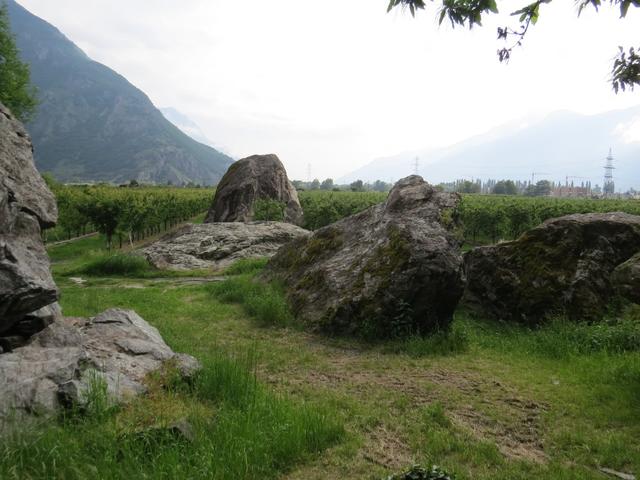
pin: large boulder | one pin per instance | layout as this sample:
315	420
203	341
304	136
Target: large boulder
626	278
394	269
259	177
26	206
562	267
217	245
66	362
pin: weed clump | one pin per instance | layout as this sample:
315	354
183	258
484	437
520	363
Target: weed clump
265	302
246	265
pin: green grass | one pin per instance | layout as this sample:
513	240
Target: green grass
486	400
242	429
263	302
246	265
242	432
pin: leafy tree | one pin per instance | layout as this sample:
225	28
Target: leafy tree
103	211
16	91
468	187
380	186
543	188
327	184
357	186
505	187
315	185
625	73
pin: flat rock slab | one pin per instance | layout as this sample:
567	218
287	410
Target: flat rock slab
217	245
62	363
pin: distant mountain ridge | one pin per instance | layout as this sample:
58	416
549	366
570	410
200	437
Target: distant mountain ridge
93	125
556	146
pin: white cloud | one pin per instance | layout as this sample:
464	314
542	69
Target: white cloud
629	132
336	84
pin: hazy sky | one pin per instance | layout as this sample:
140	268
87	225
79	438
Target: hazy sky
337	83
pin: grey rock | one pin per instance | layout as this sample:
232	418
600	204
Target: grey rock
562	267
65	361
626	278
248	180
218	245
394	269
35	321
26	206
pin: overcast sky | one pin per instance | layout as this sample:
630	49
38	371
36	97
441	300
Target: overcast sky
337	83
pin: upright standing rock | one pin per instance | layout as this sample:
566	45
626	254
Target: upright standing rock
26	206
394	269
259	177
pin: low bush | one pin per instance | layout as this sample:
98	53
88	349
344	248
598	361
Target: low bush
269	209
118	264
246	265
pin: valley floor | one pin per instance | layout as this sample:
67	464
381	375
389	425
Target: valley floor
488	402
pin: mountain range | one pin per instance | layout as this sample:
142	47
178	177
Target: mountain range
560	145
93	125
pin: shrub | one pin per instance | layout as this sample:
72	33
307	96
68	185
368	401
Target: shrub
269	209
118	264
246	265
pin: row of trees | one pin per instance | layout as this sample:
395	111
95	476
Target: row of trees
490	218
329	185
126	213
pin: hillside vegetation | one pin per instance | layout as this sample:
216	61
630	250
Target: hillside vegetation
91	124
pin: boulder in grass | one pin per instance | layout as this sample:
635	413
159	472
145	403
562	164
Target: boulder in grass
26	207
65	362
249	181
626	278
394	269
562	267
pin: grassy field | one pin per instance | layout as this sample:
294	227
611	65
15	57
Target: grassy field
487	401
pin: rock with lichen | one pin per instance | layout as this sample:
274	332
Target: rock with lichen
394	269
258	178
626	278
26	207
563	267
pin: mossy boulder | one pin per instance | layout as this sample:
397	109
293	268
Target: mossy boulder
391	270
254	181
626	278
563	267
